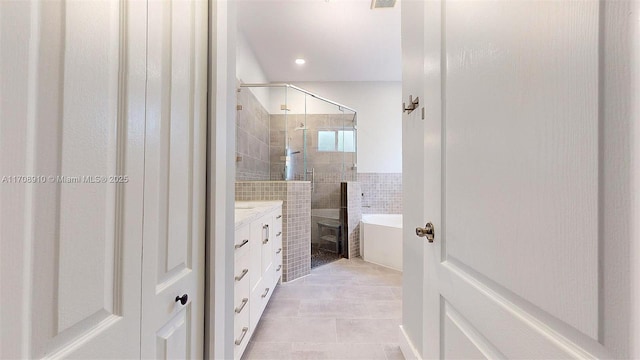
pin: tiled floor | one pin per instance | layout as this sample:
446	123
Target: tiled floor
348	309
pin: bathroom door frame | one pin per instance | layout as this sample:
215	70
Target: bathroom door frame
220	171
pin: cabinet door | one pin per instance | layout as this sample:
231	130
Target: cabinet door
71	109
173	253
267	245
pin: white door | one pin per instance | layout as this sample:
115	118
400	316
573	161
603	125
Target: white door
72	104
174	189
527	181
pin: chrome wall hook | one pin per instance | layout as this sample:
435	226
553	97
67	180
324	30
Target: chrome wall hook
413	104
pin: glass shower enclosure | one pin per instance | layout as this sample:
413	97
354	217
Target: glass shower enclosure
312	138
308	133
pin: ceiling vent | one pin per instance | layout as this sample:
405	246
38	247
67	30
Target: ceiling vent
382	4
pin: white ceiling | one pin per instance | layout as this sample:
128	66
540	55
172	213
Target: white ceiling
341	40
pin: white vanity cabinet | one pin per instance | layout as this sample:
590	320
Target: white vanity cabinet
257	265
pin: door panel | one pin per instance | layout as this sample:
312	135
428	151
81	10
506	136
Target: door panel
514	181
173	338
267	246
461	340
529	145
174	181
91	232
76	90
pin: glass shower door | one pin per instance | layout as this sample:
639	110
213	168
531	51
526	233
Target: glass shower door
330	144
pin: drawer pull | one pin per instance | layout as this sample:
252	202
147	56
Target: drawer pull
279	251
244	332
279	233
243	243
279	267
242	305
266	240
279	217
242	274
266	291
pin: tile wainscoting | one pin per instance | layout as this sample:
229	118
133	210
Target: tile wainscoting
382	193
296	220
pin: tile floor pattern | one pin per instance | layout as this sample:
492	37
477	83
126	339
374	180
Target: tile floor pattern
348	309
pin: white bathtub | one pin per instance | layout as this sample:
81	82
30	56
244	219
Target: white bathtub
381	239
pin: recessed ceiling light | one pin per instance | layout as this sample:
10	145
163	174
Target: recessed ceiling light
300	61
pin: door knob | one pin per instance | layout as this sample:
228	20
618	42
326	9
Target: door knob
183	299
427	231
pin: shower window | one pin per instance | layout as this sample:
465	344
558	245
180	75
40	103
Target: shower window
336	140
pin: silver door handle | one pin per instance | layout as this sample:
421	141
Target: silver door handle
279	250
243	243
279	233
242	305
266	291
279	267
278	217
244	332
427	231
242	274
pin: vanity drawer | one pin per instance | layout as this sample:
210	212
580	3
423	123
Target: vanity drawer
277	246
241	275
260	296
241	242
277	221
241	332
277	263
241	306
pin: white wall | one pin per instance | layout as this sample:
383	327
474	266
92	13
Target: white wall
377	103
379	117
248	69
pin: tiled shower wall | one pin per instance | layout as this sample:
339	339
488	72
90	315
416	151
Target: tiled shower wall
382	193
252	134
330	168
296	220
323	162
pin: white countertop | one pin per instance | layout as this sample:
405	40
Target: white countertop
247	211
